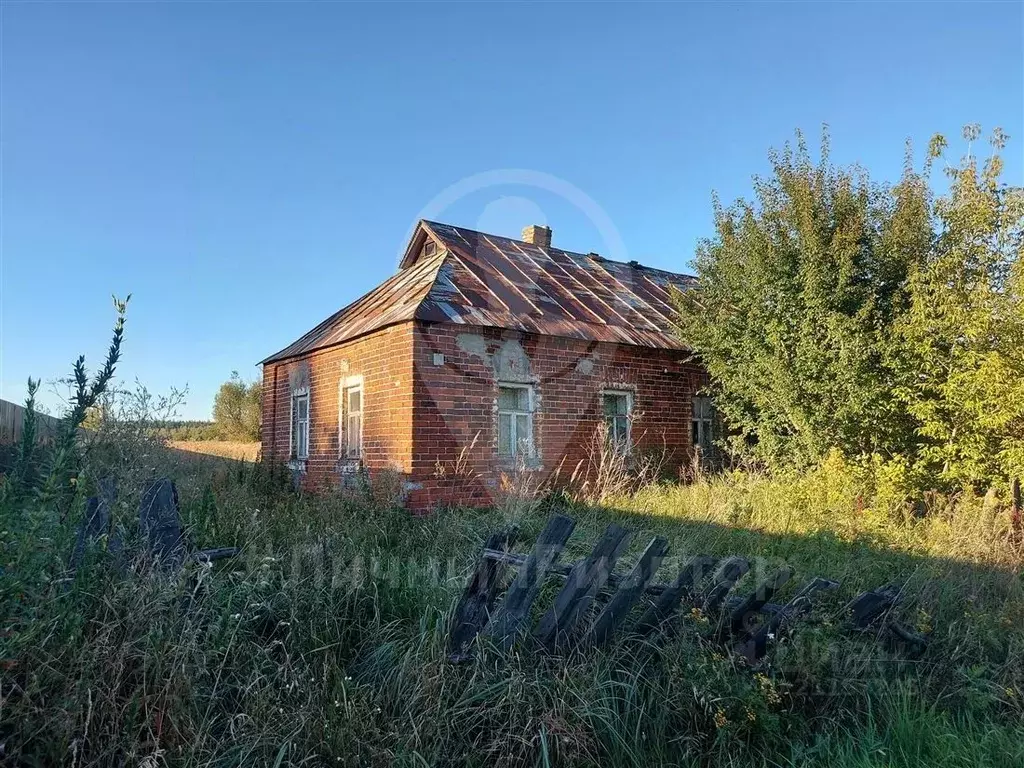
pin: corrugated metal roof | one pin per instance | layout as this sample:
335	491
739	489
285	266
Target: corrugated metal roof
486	280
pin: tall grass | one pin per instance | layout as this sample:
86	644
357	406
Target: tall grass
324	642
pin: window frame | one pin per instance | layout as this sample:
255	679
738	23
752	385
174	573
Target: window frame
703	425
293	423
626	444
531	404
346	387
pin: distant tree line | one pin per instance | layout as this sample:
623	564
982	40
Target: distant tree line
835	313
188	430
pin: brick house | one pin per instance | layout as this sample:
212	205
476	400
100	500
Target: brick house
482	355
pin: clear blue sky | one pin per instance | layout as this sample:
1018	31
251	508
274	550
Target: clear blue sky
245	169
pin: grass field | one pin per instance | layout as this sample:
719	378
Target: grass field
323	643
224	448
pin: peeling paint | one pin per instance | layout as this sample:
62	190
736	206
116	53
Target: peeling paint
298	375
511	363
474	345
585	366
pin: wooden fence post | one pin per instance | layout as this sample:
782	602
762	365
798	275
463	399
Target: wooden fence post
583	583
684	584
474	608
629	592
505	624
161	523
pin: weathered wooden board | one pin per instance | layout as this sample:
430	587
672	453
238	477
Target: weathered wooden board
581	586
629	591
747	623
161	523
742	616
867	607
512	612
96	521
755	646
477	602
732	570
682	587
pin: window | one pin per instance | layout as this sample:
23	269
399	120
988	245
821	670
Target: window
353	405
618	408
515	420
300	424
703	424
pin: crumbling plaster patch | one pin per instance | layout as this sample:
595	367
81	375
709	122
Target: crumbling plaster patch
298	376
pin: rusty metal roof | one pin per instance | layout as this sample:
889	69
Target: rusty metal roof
485	280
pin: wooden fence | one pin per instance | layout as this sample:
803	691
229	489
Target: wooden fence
12	421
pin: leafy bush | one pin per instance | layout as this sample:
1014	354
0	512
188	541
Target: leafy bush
237	409
836	313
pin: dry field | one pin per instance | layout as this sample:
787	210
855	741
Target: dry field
223	448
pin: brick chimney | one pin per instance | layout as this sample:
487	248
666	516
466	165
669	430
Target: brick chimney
538	235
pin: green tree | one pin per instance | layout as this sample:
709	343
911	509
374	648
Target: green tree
798	293
960	348
238	408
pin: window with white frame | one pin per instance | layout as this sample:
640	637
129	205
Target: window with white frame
300	424
618	411
515	420
703	421
350	418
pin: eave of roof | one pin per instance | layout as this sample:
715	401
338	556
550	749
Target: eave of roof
393	301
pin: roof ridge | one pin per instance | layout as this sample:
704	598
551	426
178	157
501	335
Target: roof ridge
632	263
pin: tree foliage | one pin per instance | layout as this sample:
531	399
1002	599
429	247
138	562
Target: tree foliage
238	409
837	313
960	347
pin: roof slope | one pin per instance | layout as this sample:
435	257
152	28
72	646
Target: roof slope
485	280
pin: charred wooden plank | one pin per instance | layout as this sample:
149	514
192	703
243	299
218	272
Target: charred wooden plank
903	638
867	607
581	586
741	615
96	520
516	560
160	522
629	592
477	601
755	646
681	587
505	624
732	570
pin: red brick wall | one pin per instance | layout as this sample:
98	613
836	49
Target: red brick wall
384	360
455	403
435	420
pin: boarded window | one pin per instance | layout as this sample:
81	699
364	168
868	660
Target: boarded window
618	407
515	420
300	425
703	424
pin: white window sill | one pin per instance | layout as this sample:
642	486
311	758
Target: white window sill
297	464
